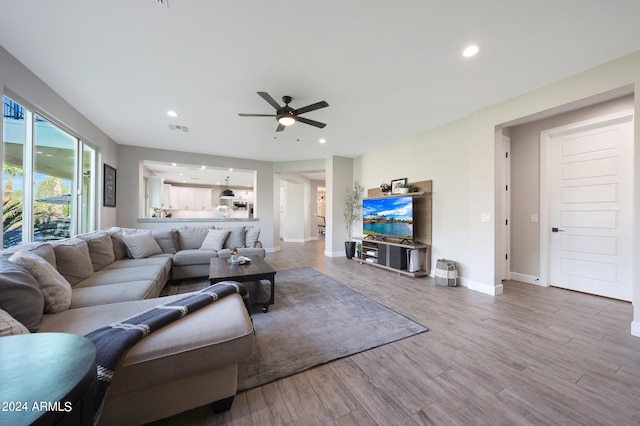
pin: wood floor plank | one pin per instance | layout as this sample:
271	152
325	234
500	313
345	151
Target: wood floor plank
267	406
302	401
332	392
373	396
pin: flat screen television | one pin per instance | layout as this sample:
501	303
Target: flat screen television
388	217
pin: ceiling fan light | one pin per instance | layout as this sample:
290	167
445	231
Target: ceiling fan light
286	120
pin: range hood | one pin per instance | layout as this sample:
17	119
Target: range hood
227	193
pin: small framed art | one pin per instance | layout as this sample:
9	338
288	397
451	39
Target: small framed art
109	189
396	184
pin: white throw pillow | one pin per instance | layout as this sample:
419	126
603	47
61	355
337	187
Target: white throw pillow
141	244
9	326
215	239
54	287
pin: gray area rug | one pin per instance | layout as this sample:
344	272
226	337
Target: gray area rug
314	320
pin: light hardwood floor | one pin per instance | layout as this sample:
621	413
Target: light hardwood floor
533	356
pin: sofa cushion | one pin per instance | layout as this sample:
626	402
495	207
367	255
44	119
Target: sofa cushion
43	250
166	239
100	249
9	326
56	291
191	237
20	294
113	293
141	244
251	236
72	259
119	247
215	239
193	257
235	238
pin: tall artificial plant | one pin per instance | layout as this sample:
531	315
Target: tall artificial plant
352	207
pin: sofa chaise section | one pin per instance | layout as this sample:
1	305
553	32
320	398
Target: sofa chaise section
187	364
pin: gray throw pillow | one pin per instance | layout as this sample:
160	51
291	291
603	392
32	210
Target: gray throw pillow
55	289
215	239
235	238
20	294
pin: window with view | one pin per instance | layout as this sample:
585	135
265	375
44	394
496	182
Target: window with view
48	179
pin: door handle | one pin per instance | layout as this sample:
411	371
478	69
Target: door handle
557	230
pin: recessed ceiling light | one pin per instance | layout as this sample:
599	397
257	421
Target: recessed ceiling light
471	50
323	140
172	113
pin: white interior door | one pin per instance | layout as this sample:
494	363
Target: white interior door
590	206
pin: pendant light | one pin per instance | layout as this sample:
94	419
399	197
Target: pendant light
227	193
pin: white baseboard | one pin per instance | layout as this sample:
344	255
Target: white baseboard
529	279
493	290
635	328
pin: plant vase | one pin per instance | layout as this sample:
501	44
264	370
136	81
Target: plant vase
349	249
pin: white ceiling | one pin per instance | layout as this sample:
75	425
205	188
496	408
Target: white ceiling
388	69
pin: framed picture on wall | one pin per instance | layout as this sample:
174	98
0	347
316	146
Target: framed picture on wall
396	184
109	189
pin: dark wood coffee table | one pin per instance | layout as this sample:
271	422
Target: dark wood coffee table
221	270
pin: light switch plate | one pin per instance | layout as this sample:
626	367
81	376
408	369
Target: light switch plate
485	217
534	218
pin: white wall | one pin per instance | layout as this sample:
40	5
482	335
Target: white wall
339	179
293	229
17	79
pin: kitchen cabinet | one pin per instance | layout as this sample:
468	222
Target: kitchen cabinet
188	198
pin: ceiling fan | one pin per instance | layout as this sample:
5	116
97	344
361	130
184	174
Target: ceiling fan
286	115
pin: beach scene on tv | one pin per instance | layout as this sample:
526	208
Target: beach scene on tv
388	217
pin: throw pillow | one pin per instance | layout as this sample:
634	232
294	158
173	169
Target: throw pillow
20	294
251	236
215	239
141	244
55	289
9	326
73	260
235	238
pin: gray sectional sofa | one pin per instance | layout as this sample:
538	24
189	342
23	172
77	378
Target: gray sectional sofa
116	273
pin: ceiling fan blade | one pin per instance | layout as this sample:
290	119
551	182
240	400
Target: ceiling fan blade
267	97
256	115
311	122
312	107
280	127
